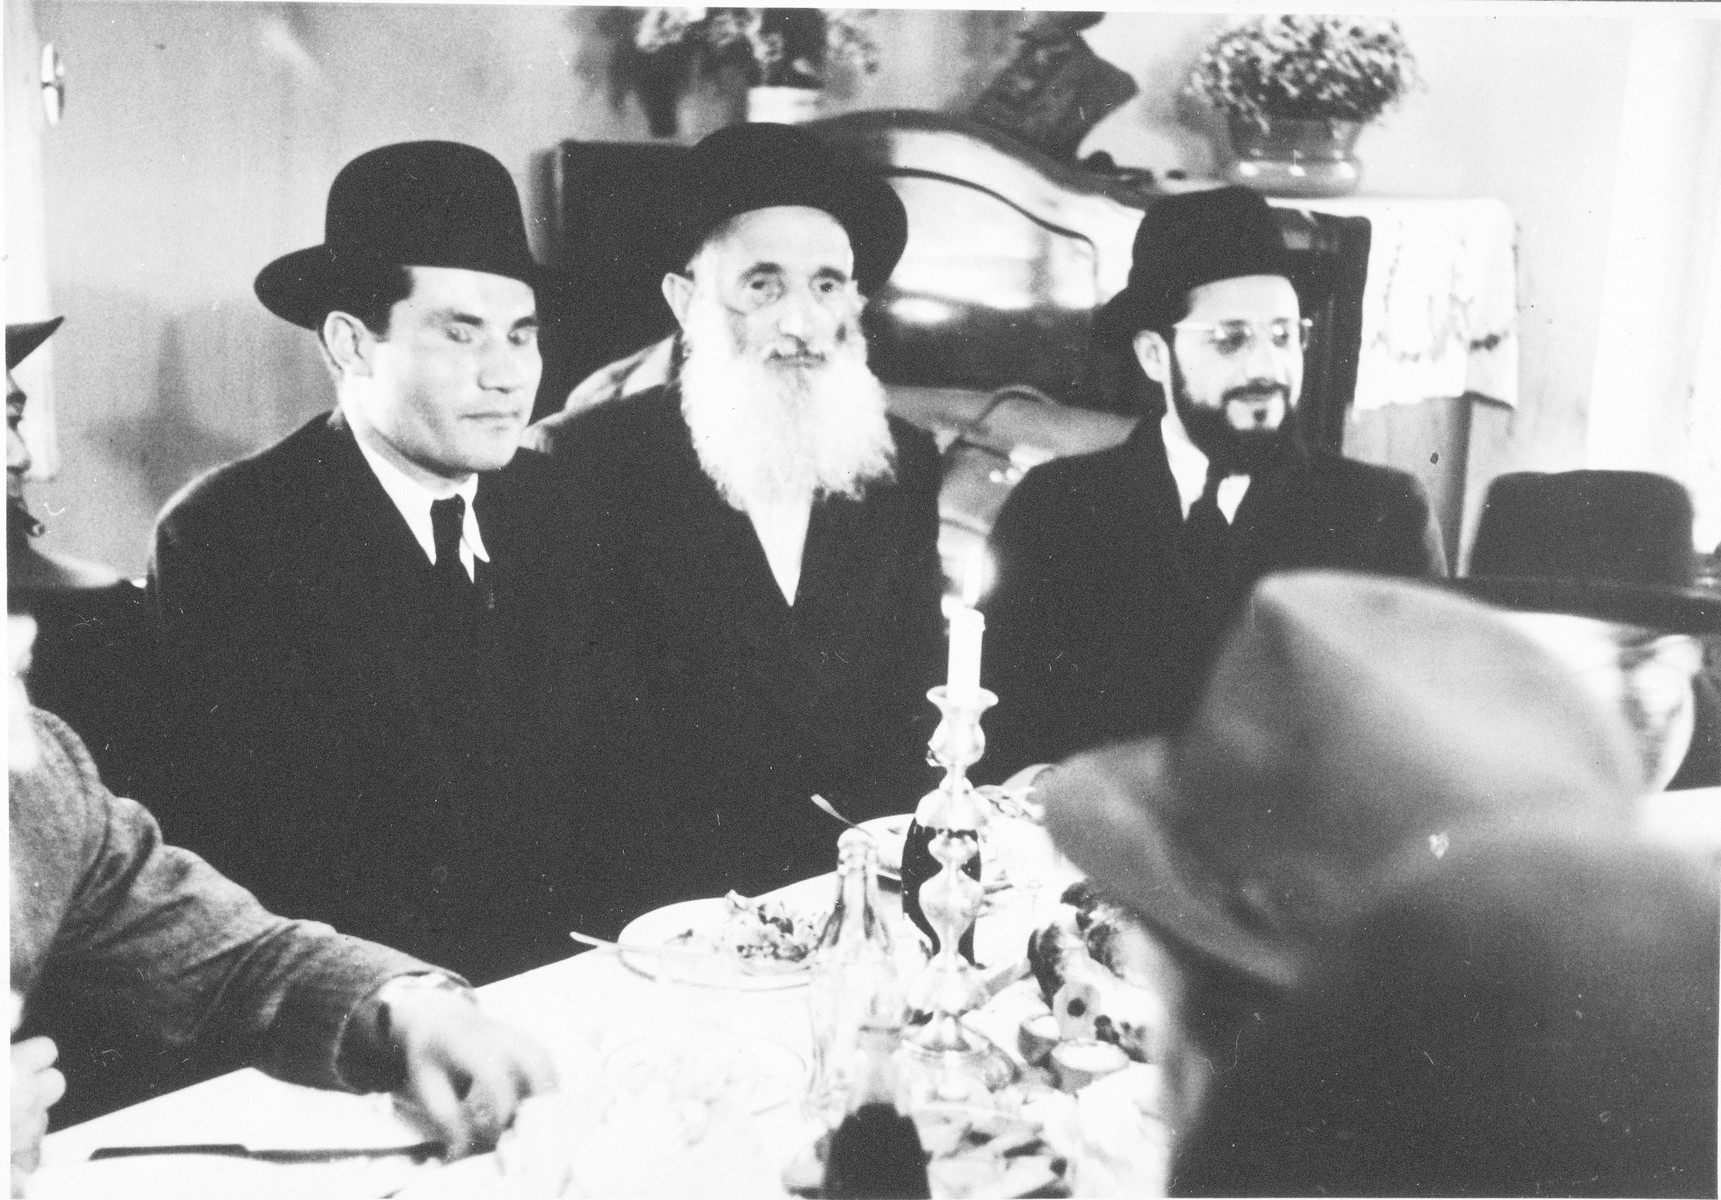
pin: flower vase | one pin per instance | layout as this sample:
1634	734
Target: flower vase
783	105
1294	157
660	81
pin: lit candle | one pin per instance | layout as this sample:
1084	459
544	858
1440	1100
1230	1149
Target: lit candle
976	577
967	628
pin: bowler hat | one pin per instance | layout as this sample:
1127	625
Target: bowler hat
1187	240
1616	545
1353	726
741	168
22	340
418	204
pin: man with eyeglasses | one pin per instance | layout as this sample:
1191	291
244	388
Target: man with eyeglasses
767	534
1118	570
1599	567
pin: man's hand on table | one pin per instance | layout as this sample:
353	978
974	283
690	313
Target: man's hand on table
465	1072
36	1086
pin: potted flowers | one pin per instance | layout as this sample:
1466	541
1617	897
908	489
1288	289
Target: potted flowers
1296	90
784	54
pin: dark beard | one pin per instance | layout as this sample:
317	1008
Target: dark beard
1236	451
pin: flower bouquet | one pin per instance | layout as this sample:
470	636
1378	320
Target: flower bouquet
770	47
1296	90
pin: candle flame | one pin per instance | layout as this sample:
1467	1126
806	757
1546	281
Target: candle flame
976	576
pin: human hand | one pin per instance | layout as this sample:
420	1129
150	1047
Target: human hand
36	1086
465	1072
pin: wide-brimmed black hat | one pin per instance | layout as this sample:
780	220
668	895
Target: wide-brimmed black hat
413	204
22	340
1188	240
1616	545
1355	729
741	168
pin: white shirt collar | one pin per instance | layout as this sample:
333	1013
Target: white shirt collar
1189	468
782	533
413	500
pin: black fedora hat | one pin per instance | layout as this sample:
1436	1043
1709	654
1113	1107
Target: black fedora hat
1616	545
418	204
1187	240
741	168
22	340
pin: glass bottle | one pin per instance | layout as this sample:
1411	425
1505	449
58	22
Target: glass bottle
875	1153
854	985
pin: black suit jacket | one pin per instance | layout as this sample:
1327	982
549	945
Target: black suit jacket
94	663
1529	1018
734	705
349	747
1096	630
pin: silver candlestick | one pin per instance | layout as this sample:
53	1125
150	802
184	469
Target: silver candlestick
949	902
950	985
953	805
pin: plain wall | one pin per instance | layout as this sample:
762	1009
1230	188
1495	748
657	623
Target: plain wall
199	141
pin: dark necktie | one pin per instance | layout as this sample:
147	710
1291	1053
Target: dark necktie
447	517
1205	531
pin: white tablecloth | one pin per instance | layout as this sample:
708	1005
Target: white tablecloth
694	1131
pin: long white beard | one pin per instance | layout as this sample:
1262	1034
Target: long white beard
775	436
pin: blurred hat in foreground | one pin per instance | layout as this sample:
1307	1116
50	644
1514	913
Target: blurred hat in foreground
1355	729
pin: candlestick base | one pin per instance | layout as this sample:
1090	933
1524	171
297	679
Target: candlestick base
946	1072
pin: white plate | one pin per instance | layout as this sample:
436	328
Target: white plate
663	926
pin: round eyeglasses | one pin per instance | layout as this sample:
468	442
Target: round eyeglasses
1236	337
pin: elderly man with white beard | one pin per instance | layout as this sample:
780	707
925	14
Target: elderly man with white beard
766	571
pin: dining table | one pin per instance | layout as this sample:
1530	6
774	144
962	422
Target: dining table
673	1083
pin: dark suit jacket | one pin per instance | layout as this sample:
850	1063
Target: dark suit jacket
94	664
737	706
1539	1020
1095	630
346	746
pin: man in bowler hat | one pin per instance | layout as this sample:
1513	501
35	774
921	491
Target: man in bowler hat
1118	570
357	615
1392	857
768	532
1600	567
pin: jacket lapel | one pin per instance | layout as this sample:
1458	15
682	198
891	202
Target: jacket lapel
720	549
1155	544
1273	520
360	523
